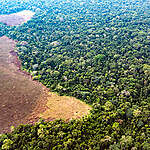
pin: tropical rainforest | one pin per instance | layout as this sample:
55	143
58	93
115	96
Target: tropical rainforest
97	51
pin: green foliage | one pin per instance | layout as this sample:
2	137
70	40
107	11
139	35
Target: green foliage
99	57
97	51
7	144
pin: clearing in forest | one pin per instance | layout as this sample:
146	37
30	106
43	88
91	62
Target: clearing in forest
24	100
16	18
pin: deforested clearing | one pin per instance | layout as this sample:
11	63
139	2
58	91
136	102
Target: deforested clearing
24	100
16	18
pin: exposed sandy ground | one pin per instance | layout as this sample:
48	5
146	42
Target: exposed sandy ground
24	100
16	18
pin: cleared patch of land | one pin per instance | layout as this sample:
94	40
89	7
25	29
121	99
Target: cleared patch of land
18	93
64	107
24	100
16	18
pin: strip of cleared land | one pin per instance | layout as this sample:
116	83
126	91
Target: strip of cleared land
24	100
16	18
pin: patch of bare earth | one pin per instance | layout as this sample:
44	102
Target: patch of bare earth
16	18
23	100
64	107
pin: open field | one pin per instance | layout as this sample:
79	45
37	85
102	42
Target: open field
24	100
18	93
16	18
64	107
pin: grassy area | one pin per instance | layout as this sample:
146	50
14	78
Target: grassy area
64	107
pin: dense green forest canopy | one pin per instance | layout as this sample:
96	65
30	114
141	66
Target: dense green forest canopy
97	51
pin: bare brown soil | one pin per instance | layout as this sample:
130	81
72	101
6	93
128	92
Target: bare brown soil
24	100
18	93
16	18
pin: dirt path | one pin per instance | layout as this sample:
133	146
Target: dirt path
24	100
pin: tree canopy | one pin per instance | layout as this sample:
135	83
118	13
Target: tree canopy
97	51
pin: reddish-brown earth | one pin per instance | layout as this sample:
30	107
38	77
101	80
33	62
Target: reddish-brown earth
24	100
18	93
16	18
